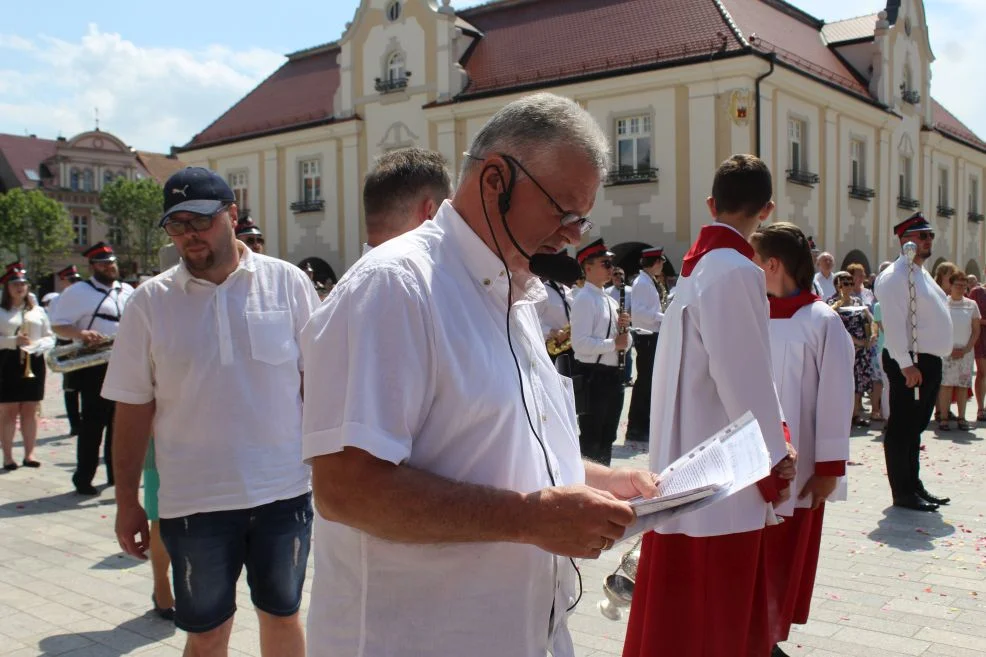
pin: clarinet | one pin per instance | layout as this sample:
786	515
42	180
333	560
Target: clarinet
621	354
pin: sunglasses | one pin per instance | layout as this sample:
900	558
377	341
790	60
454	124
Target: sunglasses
196	224
924	235
606	264
845	283
250	241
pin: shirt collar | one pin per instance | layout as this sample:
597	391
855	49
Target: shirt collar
595	288
115	285
366	249
482	264
248	262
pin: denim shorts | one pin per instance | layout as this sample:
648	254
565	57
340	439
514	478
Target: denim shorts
208	551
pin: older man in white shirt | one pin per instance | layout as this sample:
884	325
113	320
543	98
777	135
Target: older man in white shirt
446	471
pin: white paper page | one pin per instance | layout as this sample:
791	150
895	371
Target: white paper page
746	452
705	465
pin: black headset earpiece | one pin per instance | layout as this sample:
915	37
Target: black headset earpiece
503	200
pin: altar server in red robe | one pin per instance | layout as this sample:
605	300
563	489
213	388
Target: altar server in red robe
701	588
812	355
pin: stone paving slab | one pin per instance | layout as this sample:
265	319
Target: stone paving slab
891	583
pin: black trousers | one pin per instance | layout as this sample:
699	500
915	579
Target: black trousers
908	419
638	419
604	404
72	411
97	418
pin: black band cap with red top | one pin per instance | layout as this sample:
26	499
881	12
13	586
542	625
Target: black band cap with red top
15	272
69	273
656	252
916	222
246	227
100	252
597	248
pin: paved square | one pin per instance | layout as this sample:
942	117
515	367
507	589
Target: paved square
890	582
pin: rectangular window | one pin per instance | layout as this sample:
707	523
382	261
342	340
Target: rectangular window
80	225
114	234
797	133
857	156
311	181
905	177
943	187
238	183
974	194
633	143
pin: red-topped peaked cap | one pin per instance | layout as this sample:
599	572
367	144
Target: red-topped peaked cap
913	224
597	248
69	273
655	252
15	272
245	226
100	252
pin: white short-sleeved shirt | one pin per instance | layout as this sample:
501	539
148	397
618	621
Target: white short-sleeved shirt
962	313
223	364
408	360
78	304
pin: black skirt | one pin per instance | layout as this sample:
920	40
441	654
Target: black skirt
13	386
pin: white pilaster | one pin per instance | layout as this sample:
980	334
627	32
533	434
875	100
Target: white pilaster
351	193
702	138
886	198
270	217
832	184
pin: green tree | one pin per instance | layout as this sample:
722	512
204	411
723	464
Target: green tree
131	210
34	228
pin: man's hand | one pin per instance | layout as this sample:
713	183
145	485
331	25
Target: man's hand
912	376
788	467
625	483
623	342
623	323
23	341
576	521
819	488
131	521
90	337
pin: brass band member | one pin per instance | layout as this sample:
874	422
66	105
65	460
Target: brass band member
599	333
650	296
68	276
23	323
556	323
248	233
90	312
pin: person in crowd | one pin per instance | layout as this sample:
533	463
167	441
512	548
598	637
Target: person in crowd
89	312
978	295
162	599
208	355
957	366
919	334
618	283
70	380
859	289
556	318
249	233
943	275
972	283
652	292
859	323
599	337
403	189
579	284
446	470
812	359
865	294
701	581
23	326
823	284
879	404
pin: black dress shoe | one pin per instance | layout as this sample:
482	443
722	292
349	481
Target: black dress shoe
928	497
914	503
87	490
9	467
777	652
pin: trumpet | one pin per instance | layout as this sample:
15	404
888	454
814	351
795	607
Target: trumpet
555	347
28	373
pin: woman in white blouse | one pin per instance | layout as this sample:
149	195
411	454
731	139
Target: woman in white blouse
957	367
23	324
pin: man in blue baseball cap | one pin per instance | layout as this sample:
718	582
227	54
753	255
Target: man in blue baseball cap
197	190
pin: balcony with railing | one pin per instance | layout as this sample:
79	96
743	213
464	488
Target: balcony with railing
945	211
861	193
314	205
802	177
911	96
976	217
391	85
908	203
631	175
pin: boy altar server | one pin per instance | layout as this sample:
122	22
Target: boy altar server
812	355
701	588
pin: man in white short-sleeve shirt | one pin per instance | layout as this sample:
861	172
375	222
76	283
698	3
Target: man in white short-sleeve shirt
434	453
208	358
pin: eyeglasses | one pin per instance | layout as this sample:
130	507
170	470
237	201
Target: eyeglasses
845	283
196	224
567	218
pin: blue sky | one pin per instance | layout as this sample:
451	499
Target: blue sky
160	72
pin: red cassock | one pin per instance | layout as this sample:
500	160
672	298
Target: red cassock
702	587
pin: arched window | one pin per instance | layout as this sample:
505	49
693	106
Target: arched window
107	178
87	180
75	180
393	11
395	67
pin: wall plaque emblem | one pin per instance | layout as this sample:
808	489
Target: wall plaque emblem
740	101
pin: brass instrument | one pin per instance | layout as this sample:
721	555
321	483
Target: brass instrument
555	347
77	356
619	588
28	373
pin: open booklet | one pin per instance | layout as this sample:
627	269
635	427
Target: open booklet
728	462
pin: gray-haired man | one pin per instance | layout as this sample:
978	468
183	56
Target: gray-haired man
446	463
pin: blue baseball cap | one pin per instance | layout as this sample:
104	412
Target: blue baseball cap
197	190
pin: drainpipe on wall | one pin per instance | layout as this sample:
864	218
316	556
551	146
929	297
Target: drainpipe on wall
772	58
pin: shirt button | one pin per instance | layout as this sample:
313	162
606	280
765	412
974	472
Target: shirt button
486	282
544	418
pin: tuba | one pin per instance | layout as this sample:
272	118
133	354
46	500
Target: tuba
77	356
619	588
555	347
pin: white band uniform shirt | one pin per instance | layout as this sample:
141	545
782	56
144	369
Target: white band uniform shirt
440	393
593	312
614	292
647	312
934	325
223	365
554	311
37	327
78	304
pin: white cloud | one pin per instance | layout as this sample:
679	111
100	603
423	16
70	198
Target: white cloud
14	42
151	98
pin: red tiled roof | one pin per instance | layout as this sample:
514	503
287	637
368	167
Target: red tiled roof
26	153
299	93
530	42
158	165
946	123
795	37
850	29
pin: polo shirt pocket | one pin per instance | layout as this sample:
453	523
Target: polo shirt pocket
271	336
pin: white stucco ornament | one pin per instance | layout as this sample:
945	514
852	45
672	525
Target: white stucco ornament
739	106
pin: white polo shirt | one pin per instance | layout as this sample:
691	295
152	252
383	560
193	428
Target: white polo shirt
408	360
79	302
223	364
